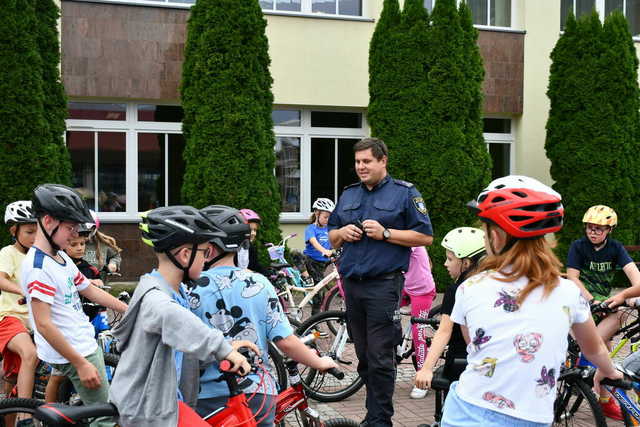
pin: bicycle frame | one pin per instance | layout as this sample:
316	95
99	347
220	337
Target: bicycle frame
626	403
296	309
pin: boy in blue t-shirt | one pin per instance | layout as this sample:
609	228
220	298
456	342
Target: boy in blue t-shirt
244	306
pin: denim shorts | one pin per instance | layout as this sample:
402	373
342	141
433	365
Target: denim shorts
458	413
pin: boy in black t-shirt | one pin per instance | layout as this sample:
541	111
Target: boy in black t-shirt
591	264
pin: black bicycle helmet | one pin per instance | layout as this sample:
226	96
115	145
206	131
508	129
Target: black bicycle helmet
232	223
61	202
168	227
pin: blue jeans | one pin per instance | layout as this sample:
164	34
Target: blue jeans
458	413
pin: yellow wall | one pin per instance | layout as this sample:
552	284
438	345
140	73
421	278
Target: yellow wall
320	62
298	241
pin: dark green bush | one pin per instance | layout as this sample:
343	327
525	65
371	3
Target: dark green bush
425	78
592	130
227	100
31	145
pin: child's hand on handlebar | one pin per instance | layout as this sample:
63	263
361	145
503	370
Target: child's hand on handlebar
246	344
615	301
239	363
326	363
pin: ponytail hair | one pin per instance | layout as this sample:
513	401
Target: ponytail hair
530	258
107	240
313	218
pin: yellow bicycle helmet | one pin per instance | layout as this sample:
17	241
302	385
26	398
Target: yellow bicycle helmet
601	215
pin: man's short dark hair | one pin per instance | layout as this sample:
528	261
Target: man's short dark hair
378	147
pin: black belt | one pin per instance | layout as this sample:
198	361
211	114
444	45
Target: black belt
384	276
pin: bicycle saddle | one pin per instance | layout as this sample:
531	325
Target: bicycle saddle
58	414
279	266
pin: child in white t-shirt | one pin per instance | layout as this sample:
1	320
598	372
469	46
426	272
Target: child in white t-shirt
516	313
52	285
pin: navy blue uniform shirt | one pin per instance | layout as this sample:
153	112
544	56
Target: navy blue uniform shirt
394	204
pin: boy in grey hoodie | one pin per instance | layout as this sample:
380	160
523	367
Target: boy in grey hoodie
158	330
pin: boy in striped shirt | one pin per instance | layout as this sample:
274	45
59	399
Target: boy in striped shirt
53	285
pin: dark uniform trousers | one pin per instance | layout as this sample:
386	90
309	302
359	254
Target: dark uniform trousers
374	324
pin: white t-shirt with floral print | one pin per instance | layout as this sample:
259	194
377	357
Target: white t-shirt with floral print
515	351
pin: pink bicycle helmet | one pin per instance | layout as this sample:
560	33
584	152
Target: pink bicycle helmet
250	216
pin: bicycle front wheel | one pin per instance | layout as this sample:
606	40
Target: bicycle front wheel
333	341
333	300
576	405
10	408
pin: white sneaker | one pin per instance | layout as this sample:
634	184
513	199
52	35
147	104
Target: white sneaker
418	393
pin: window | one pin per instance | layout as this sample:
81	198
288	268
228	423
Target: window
499	138
630	9
314	156
98	160
325	7
487	13
494	13
126	157
577	7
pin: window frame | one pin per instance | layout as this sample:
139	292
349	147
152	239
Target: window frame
305	132
131	127
503	138
511	26
600	9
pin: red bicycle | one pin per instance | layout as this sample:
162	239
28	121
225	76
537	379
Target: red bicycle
291	404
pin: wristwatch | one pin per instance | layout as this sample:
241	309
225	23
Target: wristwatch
386	234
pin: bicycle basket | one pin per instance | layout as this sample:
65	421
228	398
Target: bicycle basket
276	252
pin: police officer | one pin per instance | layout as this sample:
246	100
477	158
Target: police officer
376	221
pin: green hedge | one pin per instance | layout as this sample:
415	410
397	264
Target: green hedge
227	100
425	84
31	145
592	130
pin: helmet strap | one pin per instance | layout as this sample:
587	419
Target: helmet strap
49	237
510	242
185	270
208	264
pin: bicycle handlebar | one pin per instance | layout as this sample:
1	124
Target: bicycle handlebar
623	384
430	321
336	373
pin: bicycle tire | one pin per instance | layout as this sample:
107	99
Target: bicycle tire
17	405
321	386
341	422
572	392
333	300
277	363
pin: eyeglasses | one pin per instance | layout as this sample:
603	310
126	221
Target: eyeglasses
71	228
596	230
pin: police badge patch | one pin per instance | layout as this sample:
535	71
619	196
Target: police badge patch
418	202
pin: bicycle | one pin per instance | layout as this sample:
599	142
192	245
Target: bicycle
576	377
287	280
234	413
334	341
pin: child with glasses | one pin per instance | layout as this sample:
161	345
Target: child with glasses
592	264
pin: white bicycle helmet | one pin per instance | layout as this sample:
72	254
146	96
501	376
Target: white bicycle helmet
19	212
464	242
323	204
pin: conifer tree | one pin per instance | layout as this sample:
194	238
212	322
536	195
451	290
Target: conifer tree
592	130
227	100
29	155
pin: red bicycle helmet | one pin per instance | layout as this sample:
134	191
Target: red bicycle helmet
523	207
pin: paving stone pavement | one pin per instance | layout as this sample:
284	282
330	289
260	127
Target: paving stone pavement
408	412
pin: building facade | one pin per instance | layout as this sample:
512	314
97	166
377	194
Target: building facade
121	67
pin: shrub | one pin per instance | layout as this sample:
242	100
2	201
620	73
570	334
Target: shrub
227	100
